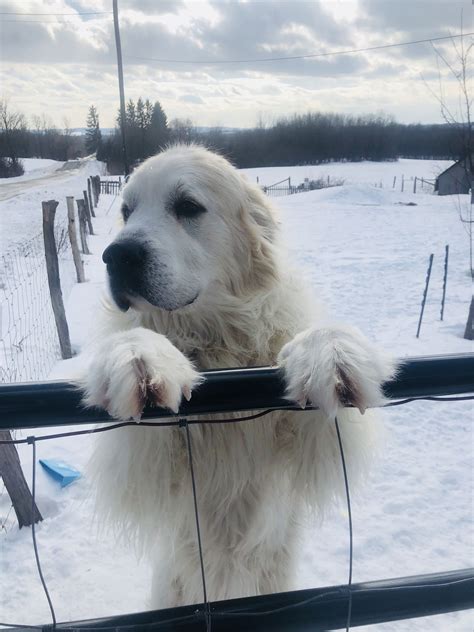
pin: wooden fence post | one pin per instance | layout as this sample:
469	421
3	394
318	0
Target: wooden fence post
81	211
15	483
428	275
394	181
71	226
88	206
469	331
89	191
96	186
52	267
403	182
414	184
445	280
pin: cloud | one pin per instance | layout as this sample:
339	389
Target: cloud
62	65
191	98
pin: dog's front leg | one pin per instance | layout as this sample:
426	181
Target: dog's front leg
130	368
333	367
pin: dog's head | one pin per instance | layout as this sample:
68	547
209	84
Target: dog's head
191	222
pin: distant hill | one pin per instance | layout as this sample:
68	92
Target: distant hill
80	131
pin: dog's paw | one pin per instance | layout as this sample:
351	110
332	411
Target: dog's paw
135	367
333	367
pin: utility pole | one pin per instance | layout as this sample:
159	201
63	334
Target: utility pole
121	89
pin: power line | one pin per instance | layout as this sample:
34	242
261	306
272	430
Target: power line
309	56
48	14
43	21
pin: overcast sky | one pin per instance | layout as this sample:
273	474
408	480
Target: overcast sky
60	64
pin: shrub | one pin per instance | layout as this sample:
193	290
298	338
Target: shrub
11	168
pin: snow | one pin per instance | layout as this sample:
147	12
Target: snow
366	172
366	253
20	198
35	167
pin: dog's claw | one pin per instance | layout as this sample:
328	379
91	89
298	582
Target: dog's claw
302	401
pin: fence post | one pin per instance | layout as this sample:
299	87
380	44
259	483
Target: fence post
394	181
89	192
403	182
71	226
428	275
87	206
52	267
96	184
81	211
469	331
445	279
414	185
94	190
15	483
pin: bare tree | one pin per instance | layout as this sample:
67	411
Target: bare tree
11	122
458	63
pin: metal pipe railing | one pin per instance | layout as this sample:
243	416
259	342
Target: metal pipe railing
37	404
311	610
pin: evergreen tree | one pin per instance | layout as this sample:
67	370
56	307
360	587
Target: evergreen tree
159	132
93	133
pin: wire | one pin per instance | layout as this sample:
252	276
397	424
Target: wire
43	21
229	420
32	441
50	14
183	422
308	56
351	533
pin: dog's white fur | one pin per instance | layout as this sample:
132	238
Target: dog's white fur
252	309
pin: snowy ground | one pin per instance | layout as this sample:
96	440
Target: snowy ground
367	172
365	252
34	168
20	198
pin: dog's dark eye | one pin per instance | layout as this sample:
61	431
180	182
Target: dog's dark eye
185	207
126	212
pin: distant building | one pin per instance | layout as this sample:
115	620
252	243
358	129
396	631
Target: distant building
453	180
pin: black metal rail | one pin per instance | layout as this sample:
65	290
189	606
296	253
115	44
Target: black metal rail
38	404
310	610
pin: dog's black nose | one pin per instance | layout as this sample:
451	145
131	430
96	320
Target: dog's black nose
124	255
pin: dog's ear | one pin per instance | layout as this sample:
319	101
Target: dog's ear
260	229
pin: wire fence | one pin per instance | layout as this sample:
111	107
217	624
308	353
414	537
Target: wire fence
29	344
206	614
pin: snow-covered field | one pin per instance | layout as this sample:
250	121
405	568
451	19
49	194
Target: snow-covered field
353	172
366	253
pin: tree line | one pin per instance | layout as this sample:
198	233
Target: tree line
315	138
311	138
38	138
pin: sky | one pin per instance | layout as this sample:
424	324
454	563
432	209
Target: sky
201	60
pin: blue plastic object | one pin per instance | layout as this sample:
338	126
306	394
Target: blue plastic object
60	471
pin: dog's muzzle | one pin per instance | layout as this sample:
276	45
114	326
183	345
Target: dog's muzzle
125	262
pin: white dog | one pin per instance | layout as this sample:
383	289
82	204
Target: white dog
199	280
